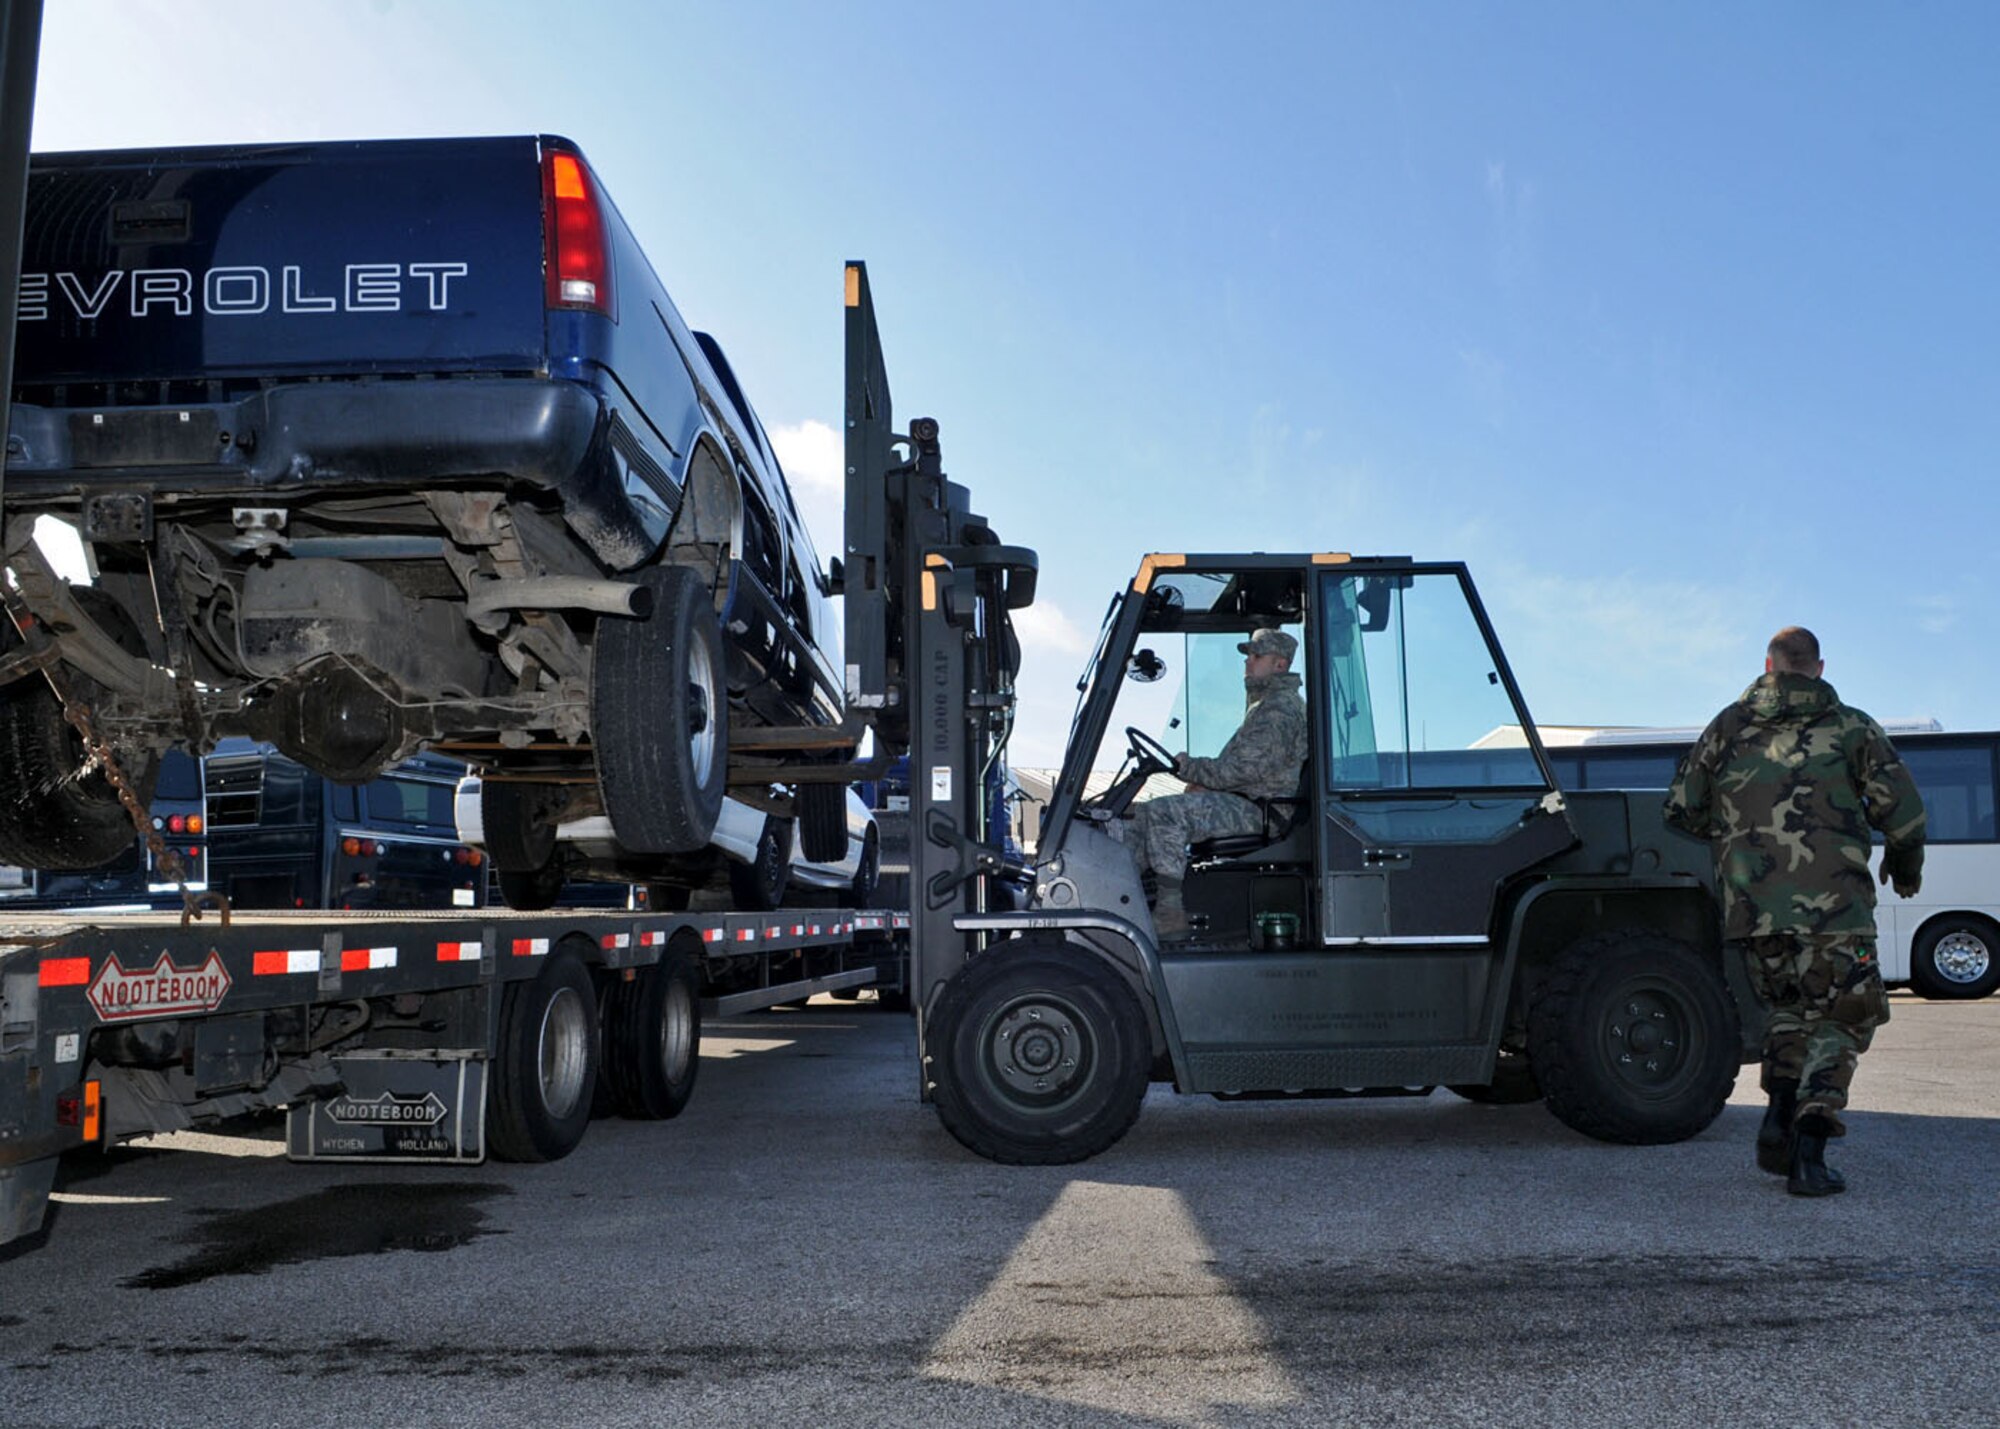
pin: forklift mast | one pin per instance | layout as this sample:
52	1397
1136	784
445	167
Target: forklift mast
930	647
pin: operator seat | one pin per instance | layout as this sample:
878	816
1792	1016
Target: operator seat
1283	816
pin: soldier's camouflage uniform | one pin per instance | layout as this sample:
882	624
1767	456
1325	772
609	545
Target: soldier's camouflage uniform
1261	761
1786	783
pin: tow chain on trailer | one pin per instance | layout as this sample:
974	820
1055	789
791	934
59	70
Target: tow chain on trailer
76	713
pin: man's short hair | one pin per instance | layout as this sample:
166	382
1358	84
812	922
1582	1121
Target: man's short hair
1794	649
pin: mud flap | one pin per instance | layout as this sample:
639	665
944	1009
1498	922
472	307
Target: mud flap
397	1106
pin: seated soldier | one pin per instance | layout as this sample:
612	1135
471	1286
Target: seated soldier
1262	760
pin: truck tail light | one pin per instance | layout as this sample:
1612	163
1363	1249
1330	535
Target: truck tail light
578	257
84	1109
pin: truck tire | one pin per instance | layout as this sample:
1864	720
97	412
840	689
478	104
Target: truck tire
866	875
1513	1083
660	717
532	891
519	823
1956	957
1634	1038
1038	1055
760	884
61	812
822	812
652	1036
545	1067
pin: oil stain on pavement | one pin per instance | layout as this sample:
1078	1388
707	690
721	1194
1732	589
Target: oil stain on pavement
359	1219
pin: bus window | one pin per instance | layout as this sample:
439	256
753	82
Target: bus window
1957	786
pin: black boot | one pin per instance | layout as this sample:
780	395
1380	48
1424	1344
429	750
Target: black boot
1811	1176
1774	1137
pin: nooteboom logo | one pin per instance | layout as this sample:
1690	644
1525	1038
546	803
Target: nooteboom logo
164	990
387	1110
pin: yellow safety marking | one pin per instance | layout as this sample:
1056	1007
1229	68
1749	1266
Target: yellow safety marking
853	286
1332	558
1152	565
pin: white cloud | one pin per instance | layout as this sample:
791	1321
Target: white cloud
1044	627
814	460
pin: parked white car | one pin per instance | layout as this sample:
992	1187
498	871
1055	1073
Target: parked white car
753	855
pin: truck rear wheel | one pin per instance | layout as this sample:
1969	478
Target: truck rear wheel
519	825
660	717
1634	1038
823	822
533	891
545	1066
652	1037
1039	1055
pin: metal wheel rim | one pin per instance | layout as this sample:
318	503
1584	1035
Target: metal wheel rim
562	1053
1037	1052
1962	956
676	1030
1648	1037
702	707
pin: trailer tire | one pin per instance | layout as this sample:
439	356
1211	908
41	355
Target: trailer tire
518	822
1955	957
1039	1055
61	812
530	892
1634	1038
760	884
652	1036
660	717
545	1068
822	810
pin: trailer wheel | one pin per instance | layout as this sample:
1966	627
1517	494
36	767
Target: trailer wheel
61	812
519	824
1513	1083
660	717
822	810
1956	956
1634	1038
533	891
1039	1055
545	1067
652	1037
760	884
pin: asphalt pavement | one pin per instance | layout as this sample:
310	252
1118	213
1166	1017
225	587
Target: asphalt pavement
807	1246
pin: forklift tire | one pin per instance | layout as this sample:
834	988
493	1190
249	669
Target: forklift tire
1039	1056
1634	1038
652	1037
822	810
1513	1084
660	717
544	1070
530	892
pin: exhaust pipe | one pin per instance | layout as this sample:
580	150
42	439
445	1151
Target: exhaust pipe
560	593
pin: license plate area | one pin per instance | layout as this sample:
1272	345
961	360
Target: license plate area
183	436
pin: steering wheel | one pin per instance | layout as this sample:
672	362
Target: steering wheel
1147	752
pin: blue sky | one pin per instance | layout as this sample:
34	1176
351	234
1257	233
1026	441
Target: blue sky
1677	322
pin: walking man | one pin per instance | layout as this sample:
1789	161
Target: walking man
1261	761
1785	783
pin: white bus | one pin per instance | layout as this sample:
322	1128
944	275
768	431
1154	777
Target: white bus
1945	942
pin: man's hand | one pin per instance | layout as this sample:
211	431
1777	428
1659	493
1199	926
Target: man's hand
1905	887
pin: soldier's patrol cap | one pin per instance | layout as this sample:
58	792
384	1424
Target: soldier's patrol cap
1270	642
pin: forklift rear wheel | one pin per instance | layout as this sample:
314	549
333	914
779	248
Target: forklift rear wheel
1634	1038
545	1068
660	717
1039	1056
652	1037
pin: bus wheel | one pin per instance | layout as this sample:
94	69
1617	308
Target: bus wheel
652	1037
1634	1039
1956	956
531	892
545	1066
660	717
1038	1056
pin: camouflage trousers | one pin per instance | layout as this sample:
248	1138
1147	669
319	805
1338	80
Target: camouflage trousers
1162	828
1826	998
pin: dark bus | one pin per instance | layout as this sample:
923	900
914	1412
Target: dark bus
281	836
136	879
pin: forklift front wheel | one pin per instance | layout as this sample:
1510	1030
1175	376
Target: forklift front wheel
1039	1056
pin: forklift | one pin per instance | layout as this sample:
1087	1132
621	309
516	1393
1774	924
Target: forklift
1428	908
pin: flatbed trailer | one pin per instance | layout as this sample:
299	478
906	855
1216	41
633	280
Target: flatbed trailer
440	1036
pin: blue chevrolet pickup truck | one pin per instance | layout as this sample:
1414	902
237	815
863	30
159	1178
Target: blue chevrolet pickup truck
378	446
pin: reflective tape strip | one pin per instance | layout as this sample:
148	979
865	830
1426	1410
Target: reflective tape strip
868	922
652	939
711	935
296	960
774	932
361	960
458	952
814	930
64	972
799	930
746	935
611	941
531	947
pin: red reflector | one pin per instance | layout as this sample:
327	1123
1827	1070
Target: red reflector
578	257
64	972
350	847
177	824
